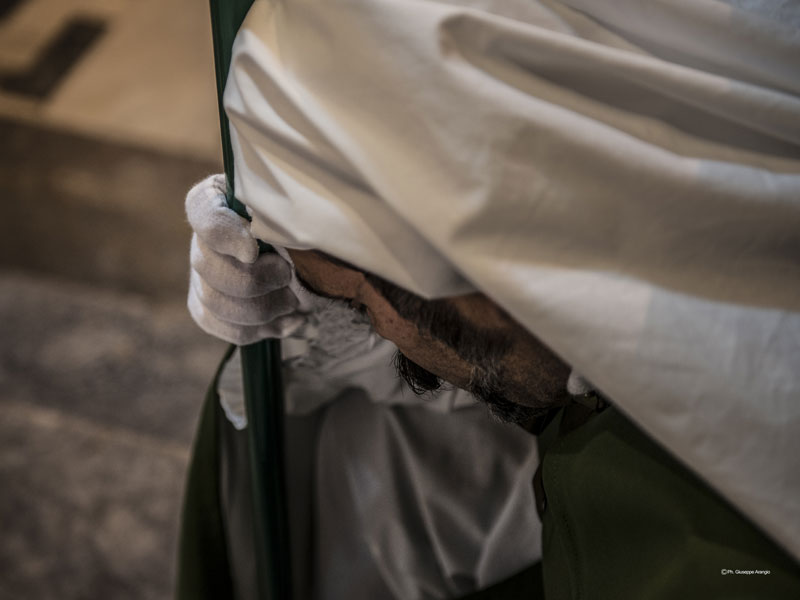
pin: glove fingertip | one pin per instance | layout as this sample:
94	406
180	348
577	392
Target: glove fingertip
246	250
273	271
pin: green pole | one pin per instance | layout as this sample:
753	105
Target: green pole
261	366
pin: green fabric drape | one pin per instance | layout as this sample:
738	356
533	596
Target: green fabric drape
624	519
203	571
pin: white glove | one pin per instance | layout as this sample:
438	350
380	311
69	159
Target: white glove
235	293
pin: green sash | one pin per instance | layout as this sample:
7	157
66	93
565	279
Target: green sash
624	520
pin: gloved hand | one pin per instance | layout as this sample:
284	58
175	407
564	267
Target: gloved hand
235	293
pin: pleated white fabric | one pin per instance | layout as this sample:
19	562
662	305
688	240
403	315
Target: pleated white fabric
622	176
419	503
413	498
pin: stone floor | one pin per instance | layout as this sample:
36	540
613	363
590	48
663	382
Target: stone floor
108	114
93	210
100	395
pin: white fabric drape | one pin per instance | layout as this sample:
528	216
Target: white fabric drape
622	176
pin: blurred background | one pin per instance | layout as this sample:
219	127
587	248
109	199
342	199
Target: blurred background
107	116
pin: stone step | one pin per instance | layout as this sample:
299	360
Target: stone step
95	211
